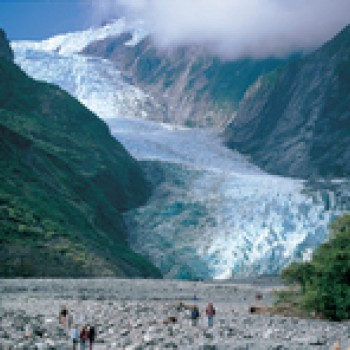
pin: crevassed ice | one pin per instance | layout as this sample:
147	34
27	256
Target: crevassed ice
94	82
213	213
216	215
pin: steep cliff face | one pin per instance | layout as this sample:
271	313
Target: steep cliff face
193	87
64	182
5	49
296	121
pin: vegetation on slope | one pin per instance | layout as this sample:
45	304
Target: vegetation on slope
64	181
325	280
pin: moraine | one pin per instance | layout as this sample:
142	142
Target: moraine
213	214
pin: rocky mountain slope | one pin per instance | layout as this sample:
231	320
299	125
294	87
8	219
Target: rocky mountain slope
296	121
192	87
64	182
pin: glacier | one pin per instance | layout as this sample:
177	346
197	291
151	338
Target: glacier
212	214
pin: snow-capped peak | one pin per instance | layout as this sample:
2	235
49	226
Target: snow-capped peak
70	43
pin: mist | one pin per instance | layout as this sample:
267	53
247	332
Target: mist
236	28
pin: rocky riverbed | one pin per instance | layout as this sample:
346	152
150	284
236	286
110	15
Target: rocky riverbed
133	314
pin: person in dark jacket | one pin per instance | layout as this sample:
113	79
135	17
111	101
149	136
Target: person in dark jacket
195	315
63	315
92	336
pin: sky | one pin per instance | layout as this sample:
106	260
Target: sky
229	28
40	19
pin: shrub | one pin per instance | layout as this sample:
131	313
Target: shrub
325	280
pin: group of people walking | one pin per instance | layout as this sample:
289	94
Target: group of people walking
209	311
84	336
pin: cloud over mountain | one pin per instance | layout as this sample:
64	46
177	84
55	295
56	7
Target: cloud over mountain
236	28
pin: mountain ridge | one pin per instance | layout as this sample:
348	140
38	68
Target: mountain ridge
64	183
295	121
5	48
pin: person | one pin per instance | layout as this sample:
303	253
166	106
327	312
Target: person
28	331
195	315
74	336
210	312
92	335
63	315
69	321
83	337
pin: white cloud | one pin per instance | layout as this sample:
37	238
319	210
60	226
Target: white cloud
238	28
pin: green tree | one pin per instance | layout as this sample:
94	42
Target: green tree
298	273
325	280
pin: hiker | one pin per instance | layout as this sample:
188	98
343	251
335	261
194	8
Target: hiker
210	312
74	334
69	321
28	332
195	315
91	336
63	315
83	337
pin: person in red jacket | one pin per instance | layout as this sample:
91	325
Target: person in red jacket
84	335
210	312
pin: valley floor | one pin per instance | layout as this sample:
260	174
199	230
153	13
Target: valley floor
130	314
